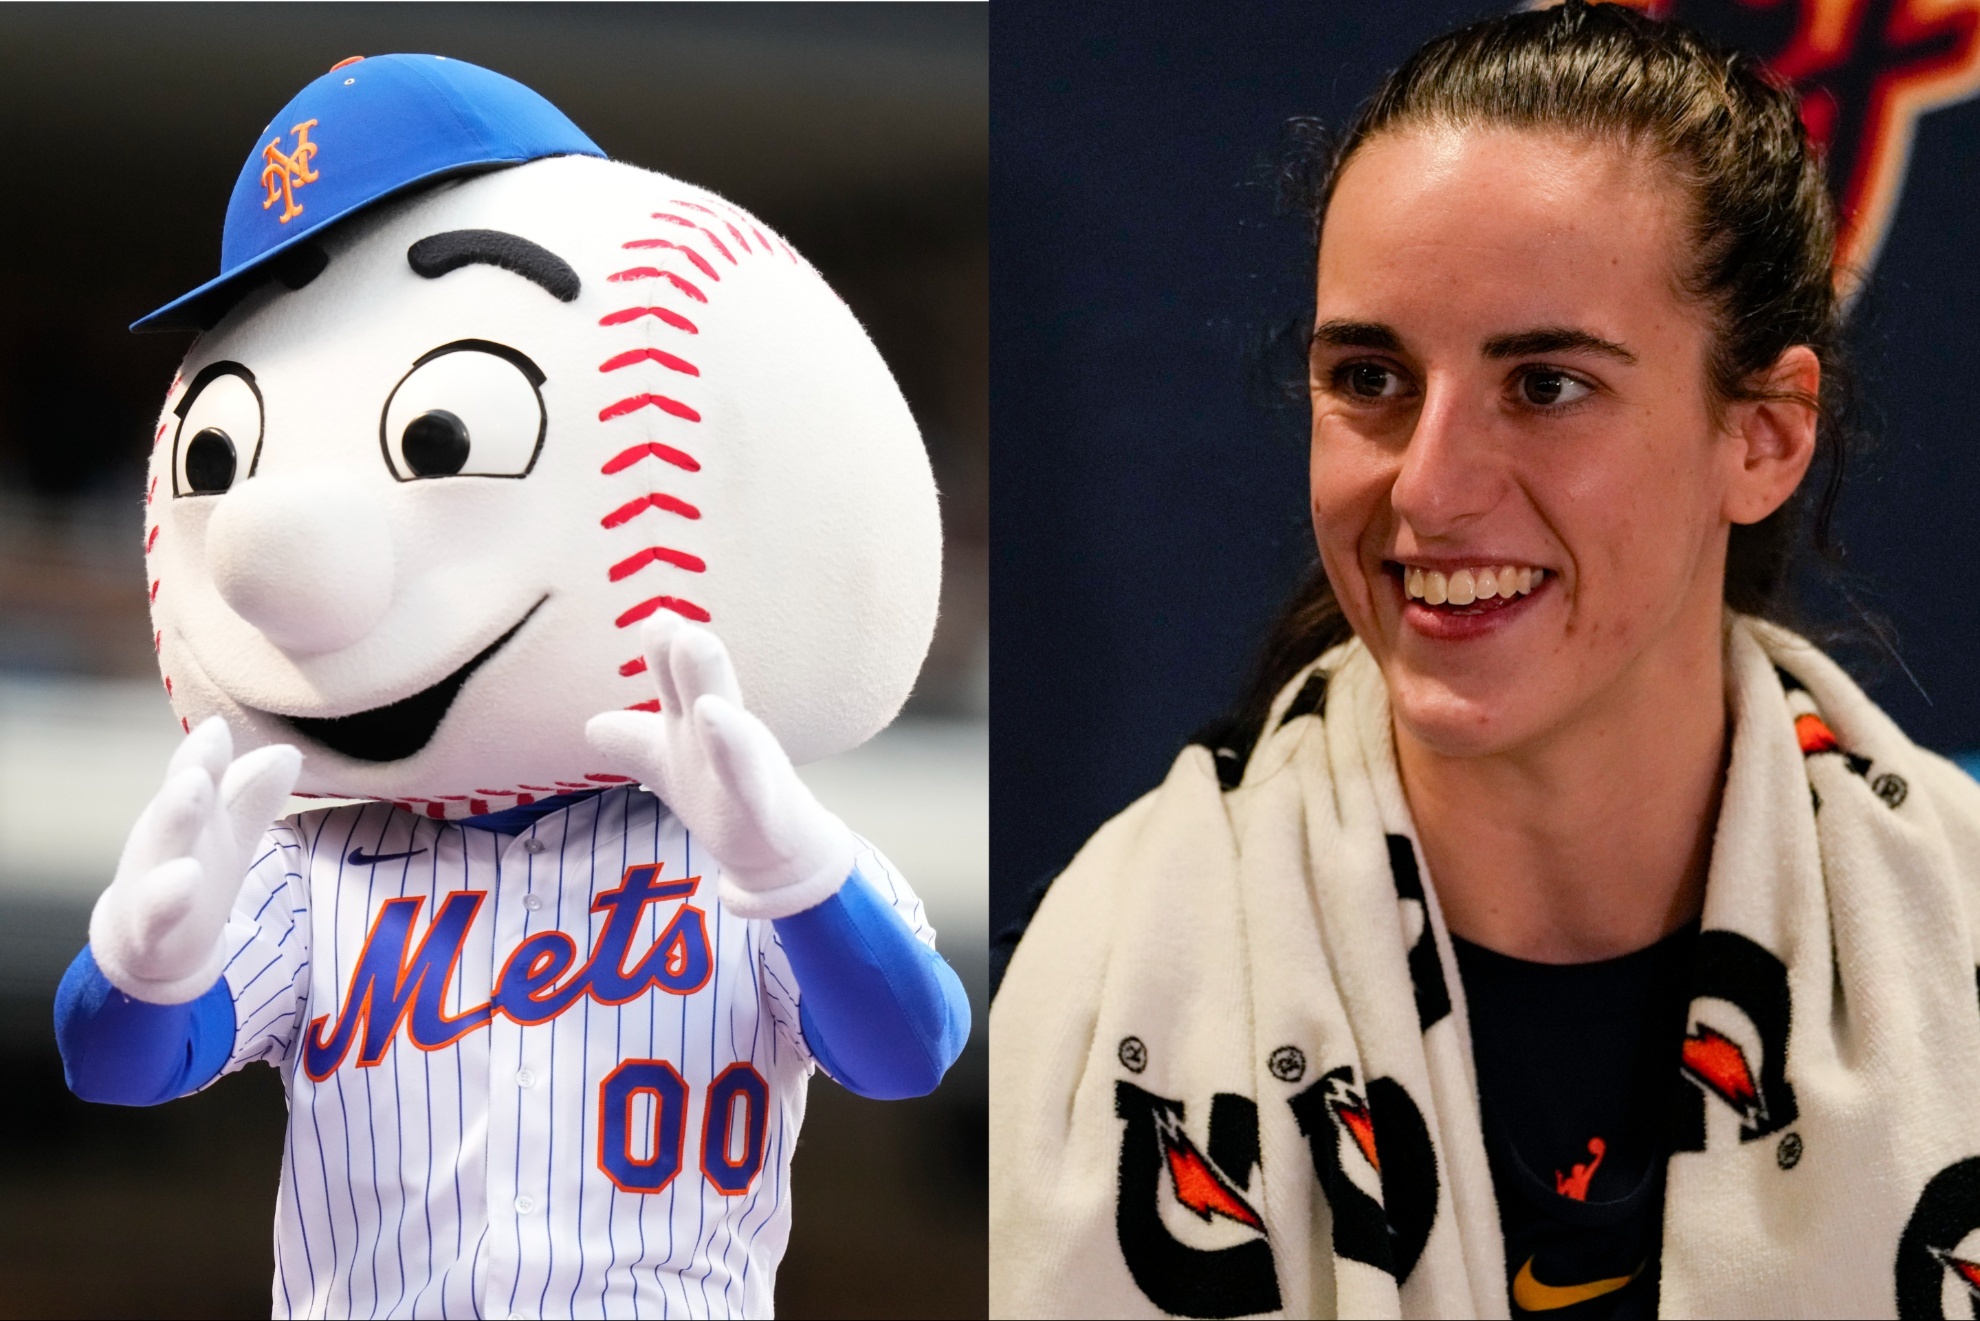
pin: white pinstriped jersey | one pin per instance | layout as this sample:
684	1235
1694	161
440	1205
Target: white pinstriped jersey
551	1153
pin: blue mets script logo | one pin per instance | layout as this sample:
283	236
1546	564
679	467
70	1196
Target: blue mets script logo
397	982
286	171
1866	71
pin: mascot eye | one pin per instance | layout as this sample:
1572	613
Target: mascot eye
468	409
210	462
435	444
219	429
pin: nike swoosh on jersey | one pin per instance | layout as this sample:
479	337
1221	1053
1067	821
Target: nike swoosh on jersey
359	858
1533	1296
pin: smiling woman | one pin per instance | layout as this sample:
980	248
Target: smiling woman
1507	385
1540	846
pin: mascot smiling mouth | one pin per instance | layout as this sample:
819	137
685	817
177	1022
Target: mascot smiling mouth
390	733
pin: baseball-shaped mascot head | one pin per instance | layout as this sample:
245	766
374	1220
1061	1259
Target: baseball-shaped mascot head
470	402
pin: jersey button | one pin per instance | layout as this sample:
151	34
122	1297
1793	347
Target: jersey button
532	902
525	1204
533	846
525	1078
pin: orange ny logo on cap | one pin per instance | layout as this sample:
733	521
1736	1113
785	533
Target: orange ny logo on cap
287	171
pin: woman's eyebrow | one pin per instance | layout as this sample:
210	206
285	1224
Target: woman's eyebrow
1357	335
1554	339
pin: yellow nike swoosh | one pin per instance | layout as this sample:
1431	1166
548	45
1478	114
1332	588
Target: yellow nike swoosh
1533	1296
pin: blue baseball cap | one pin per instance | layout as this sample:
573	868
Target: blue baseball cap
366	130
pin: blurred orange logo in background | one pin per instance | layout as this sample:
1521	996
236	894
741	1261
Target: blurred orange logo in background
1866	71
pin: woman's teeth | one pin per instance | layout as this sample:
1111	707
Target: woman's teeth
1432	587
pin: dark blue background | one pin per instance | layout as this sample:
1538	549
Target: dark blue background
1149	511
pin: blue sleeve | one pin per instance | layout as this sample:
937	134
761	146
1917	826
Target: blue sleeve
126	1052
884	1013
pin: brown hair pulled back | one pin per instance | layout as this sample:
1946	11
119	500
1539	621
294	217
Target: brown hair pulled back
1761	234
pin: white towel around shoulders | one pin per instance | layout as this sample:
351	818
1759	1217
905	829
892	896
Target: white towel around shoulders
1231	1069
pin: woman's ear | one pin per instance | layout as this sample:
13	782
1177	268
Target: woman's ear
1772	438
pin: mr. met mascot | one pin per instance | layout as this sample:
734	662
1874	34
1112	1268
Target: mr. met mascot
554	508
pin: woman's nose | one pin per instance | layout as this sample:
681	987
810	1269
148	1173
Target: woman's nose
304	557
1449	472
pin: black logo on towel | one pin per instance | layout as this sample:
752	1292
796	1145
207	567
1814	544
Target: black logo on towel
1715	1063
1928	1251
1287	1063
1160	1162
1817	739
1378	1139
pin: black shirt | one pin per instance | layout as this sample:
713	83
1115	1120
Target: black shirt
1575	1069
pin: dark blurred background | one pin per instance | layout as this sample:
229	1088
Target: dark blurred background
859	131
1151	506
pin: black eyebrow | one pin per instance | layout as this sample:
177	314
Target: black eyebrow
206	374
437	254
1554	339
1357	335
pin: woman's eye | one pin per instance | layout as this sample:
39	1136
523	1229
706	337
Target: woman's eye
219	431
469	409
1550	389
1369	380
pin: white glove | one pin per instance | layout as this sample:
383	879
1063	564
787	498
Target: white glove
156	932
725	775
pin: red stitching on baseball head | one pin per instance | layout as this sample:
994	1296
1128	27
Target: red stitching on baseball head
672	407
737	234
755	227
619	318
701	263
625	459
685	609
632	357
625	513
655	273
680	559
709	233
632	509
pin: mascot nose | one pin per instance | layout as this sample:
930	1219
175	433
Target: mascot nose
304	557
